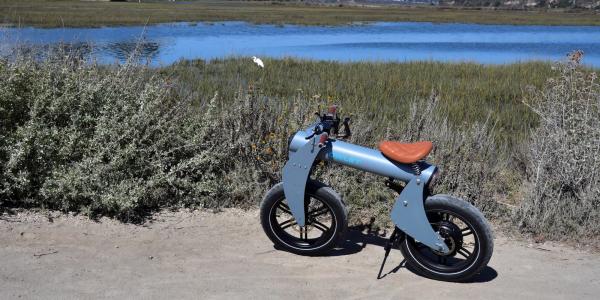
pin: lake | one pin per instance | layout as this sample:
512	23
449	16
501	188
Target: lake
166	43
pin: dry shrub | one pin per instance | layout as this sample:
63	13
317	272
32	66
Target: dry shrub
254	136
256	128
113	141
469	159
564	158
124	140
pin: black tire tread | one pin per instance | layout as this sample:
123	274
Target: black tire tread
486	238
315	187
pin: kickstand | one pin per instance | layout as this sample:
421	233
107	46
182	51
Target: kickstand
388	246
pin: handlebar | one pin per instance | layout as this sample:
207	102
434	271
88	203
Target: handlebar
317	130
329	124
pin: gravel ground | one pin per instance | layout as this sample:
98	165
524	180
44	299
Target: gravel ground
227	256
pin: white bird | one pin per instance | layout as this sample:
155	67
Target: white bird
258	61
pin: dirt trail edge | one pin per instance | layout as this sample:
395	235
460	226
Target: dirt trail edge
227	256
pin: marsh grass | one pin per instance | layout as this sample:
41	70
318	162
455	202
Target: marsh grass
75	13
381	92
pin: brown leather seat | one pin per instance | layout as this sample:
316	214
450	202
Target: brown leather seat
406	153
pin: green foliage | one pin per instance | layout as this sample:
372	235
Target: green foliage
74	13
117	141
125	140
382	92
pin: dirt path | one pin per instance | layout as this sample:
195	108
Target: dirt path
226	256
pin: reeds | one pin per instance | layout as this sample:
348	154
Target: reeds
75	13
381	92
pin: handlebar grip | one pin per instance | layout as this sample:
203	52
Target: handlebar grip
323	139
332	109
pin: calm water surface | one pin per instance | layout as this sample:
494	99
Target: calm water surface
167	43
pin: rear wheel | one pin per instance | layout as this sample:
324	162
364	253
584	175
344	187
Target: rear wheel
326	220
466	233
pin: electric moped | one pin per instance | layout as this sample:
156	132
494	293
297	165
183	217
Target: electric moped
440	236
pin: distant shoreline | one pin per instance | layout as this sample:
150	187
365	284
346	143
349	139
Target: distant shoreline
74	13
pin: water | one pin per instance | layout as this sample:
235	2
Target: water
166	43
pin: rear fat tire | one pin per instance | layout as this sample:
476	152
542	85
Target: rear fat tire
480	227
316	190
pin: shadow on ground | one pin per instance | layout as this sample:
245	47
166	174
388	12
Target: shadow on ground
358	237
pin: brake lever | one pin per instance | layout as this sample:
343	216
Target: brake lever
347	132
316	130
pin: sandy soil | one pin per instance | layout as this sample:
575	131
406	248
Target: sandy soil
227	256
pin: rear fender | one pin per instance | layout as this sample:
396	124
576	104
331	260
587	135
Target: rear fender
408	213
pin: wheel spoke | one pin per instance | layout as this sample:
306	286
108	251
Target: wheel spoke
466	231
287	223
320	225
464	252
318	212
282	206
319	222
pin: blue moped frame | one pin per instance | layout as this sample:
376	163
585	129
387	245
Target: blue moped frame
408	213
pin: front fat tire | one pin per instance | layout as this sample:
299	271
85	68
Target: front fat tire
480	225
318	190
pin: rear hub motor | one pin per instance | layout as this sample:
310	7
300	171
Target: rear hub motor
452	237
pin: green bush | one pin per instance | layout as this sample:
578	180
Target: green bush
111	141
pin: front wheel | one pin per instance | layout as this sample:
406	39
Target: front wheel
325	214
465	231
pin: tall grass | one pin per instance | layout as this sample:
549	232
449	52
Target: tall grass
381	92
76	13
126	140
